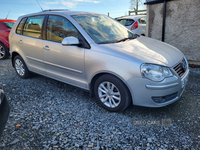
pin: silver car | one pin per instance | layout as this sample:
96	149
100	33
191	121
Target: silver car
97	53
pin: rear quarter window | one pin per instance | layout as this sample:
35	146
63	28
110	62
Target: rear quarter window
19	28
142	20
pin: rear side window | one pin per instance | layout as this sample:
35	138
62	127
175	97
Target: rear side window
142	20
8	24
58	28
19	28
126	22
33	26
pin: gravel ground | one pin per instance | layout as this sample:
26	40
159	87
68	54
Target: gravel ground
47	114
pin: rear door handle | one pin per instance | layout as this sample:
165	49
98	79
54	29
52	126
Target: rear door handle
46	48
20	42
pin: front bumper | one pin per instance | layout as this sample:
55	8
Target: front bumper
157	94
4	111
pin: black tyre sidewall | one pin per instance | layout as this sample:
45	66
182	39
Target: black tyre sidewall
6	51
4	113
27	73
125	95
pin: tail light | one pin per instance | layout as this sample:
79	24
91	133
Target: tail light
8	32
135	26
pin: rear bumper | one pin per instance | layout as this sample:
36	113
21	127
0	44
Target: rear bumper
157	94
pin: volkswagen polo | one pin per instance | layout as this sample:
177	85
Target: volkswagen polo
97	53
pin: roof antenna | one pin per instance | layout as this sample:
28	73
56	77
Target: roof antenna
39	5
7	15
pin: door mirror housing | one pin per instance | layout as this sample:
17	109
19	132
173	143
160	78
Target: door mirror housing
70	41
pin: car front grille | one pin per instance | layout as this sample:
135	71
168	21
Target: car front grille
181	68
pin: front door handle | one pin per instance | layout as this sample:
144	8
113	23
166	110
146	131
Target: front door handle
20	42
46	48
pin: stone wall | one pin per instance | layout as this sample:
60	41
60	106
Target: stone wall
182	28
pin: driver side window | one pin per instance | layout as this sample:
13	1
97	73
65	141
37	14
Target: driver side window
58	28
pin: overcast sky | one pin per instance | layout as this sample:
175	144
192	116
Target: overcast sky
116	8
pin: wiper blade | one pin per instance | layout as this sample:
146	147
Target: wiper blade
122	40
125	39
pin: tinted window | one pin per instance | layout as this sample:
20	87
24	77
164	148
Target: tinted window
142	20
58	28
19	28
8	24
33	26
126	22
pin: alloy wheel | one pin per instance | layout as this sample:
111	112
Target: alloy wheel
19	67
2	52
109	94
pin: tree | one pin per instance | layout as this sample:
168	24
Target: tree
134	4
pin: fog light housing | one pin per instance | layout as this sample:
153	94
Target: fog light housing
163	99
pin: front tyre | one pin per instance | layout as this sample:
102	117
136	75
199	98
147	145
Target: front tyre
112	93
21	68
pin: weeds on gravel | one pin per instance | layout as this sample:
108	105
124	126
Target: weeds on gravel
25	135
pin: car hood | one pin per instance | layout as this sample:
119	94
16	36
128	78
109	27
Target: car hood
147	50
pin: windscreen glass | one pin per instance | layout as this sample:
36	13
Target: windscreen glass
103	29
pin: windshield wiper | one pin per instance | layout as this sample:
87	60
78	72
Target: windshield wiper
125	39
122	40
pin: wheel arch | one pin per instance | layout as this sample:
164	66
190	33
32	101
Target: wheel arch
13	56
97	75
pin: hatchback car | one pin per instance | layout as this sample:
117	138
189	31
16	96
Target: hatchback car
4	111
137	24
97	53
5	27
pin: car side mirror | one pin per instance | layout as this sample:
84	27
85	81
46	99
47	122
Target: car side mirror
70	41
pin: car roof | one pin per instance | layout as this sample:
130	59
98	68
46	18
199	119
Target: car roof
45	12
135	17
7	20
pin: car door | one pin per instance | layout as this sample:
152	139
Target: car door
28	42
64	63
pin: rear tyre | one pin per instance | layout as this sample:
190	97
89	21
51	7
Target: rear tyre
4	53
21	68
111	93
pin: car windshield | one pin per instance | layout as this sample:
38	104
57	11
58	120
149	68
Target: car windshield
103	29
8	24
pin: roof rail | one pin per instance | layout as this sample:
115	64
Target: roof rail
56	10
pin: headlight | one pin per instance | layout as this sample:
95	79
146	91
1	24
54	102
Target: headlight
155	72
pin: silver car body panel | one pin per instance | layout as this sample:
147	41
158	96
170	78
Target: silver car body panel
77	66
